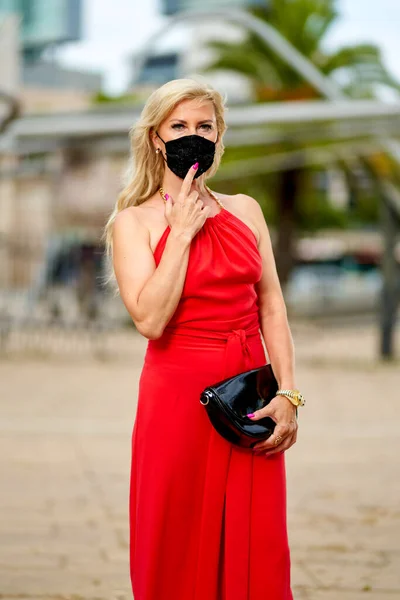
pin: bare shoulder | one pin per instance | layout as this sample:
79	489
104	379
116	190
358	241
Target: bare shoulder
147	219
246	208
129	219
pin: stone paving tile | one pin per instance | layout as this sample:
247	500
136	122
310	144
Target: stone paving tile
300	576
343	594
65	457
299	593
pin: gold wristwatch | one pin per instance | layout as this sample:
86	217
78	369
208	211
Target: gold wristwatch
293	395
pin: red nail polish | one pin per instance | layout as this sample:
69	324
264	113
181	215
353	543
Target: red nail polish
250	415
166	196
195	166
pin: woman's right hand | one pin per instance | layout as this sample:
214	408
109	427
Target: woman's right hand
187	214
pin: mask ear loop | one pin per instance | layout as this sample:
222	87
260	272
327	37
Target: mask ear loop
165	160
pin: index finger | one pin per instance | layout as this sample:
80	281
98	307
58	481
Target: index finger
187	182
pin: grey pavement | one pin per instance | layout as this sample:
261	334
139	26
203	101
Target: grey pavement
65	426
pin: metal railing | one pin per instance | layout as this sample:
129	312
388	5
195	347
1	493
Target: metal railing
53	290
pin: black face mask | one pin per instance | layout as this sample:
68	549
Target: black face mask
185	151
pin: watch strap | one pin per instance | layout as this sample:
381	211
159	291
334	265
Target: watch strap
294	396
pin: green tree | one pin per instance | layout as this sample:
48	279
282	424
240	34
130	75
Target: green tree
305	24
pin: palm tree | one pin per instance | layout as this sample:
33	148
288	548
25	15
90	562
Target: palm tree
304	23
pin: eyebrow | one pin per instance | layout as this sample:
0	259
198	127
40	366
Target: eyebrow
185	122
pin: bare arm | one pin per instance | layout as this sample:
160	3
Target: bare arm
272	309
150	294
278	340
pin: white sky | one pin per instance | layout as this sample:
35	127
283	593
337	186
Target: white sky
112	31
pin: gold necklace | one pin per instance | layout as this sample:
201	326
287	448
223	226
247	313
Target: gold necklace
162	192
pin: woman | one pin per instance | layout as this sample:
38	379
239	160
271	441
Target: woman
196	272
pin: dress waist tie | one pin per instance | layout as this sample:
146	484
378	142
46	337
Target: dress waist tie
238	355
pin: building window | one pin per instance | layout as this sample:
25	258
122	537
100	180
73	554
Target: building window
27	8
159	69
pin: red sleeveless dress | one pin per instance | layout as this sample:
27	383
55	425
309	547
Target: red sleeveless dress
207	518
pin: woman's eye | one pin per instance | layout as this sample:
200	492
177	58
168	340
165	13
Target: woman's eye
180	126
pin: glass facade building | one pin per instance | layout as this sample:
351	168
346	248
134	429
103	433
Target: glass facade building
171	7
45	22
159	68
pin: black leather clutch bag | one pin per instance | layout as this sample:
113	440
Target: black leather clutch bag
227	403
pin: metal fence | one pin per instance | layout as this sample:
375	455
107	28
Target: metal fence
53	294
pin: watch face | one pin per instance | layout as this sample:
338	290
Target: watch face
294	395
299	397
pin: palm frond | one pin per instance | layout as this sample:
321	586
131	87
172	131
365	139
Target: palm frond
238	58
348	56
304	23
362	64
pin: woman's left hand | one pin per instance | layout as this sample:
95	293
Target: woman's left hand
283	412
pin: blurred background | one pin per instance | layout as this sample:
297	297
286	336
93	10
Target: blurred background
313	91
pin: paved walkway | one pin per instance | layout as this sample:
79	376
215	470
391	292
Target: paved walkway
65	428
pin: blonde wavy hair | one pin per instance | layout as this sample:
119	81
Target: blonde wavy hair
146	168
